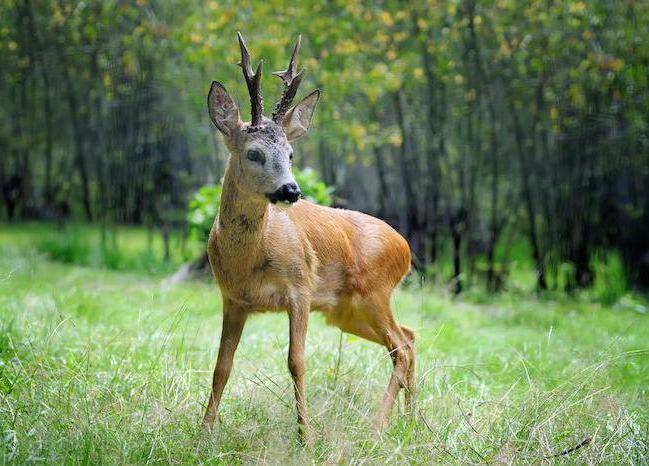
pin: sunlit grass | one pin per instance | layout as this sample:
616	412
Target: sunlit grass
100	366
114	247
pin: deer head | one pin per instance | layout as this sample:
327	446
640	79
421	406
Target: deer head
261	153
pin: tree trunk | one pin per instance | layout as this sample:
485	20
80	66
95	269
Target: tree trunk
78	137
407	180
383	193
529	204
456	239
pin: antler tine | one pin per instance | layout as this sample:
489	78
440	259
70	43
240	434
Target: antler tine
253	81
291	81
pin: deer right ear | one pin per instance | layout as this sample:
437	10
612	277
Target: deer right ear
223	111
297	120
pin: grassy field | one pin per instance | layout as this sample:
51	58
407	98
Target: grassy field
111	366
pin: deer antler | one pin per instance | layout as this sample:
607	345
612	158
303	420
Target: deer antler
253	80
291	81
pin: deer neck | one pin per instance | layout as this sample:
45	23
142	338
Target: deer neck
242	218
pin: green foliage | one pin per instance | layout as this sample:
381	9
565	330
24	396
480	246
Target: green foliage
66	248
204	204
73	249
202	210
566	279
610	277
312	187
132	249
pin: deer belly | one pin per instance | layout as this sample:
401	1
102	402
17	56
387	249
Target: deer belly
326	295
324	300
270	296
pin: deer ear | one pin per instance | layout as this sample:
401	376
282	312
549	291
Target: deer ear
297	120
223	111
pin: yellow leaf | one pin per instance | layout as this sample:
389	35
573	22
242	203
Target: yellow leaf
577	7
554	113
346	47
400	36
386	18
617	64
358	133
381	38
395	139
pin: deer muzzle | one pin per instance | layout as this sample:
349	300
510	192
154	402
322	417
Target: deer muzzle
289	192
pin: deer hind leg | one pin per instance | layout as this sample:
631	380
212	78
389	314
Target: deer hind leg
373	320
411	377
401	353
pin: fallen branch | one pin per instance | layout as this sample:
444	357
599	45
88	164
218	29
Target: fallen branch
567	451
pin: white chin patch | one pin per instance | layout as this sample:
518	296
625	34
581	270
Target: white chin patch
283	205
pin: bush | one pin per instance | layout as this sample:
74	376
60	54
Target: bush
202	209
610	277
66	248
204	204
312	187
82	246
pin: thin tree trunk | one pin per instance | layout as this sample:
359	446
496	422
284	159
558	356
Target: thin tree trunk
383	193
529	204
407	179
456	240
78	137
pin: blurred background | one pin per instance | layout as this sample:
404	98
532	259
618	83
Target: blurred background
506	139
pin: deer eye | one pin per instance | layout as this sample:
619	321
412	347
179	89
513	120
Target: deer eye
256	156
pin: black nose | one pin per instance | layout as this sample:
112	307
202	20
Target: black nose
289	192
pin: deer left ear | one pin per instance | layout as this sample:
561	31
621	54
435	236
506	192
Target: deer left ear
223	111
297	120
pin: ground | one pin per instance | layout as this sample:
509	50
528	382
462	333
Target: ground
101	366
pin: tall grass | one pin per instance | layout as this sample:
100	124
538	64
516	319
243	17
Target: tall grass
113	248
101	366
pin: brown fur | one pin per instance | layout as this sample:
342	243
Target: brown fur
298	259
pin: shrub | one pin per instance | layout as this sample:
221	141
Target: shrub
312	187
204	204
610	277
67	248
81	245
203	207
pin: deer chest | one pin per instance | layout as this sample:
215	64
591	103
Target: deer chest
264	283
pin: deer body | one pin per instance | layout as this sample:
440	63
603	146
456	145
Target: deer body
264	257
301	258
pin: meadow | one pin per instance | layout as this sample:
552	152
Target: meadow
103	362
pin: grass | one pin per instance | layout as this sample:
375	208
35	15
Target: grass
105	366
122	247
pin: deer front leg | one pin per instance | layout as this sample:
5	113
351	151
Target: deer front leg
234	319
298	319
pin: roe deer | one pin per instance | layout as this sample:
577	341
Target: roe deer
306	257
